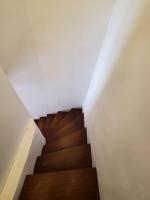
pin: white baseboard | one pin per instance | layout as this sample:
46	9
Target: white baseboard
28	151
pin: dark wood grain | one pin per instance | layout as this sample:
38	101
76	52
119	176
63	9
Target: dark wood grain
69	128
57	119
68	185
64	170
72	114
75	139
72	158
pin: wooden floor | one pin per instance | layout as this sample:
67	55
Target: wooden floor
64	170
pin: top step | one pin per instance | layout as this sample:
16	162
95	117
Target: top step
74	125
72	114
57	119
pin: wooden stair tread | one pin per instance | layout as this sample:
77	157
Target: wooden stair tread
68	141
57	119
71	127
64	170
72	114
72	158
68	185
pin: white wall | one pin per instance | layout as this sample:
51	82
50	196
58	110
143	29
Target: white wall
18	56
49	49
20	141
117	109
29	149
13	121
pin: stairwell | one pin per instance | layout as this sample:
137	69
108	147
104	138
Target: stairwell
64	170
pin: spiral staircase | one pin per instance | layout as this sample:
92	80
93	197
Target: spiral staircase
64	170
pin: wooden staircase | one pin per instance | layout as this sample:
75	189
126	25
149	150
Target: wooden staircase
64	170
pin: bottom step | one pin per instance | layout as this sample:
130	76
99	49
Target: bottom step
65	185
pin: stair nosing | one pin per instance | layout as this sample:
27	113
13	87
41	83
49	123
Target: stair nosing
63	171
79	146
